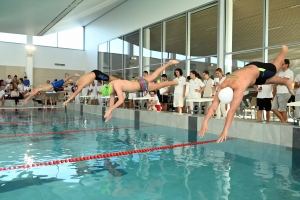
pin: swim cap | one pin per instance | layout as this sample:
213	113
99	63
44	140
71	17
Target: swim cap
74	88
106	90
226	95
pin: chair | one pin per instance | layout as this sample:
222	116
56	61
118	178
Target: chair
251	107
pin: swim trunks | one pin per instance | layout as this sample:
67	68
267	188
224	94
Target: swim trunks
143	83
58	84
266	71
100	76
58	89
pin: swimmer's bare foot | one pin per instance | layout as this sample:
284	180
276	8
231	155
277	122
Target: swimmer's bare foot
76	74
173	62
285	48
289	85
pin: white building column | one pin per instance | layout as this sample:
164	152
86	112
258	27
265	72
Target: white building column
29	62
221	34
188	44
146	45
141	52
228	36
266	31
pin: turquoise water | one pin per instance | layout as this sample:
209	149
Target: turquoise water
235	169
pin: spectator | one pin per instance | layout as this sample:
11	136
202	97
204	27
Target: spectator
15	95
297	97
9	87
15	81
93	93
179	92
21	88
153	104
164	92
196	86
281	93
220	78
2	97
8	80
209	89
263	100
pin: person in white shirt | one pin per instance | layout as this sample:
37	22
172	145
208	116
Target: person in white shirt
179	92
93	93
99	87
281	92
164	94
8	80
15	95
209	89
21	88
220	78
2	97
153	104
297	95
196	86
264	100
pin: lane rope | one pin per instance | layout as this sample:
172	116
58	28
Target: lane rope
107	155
47	121
67	131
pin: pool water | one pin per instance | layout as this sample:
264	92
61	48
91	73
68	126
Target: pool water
235	169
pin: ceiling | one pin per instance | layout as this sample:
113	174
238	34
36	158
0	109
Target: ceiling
40	17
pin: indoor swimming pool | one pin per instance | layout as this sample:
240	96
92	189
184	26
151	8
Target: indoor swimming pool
65	154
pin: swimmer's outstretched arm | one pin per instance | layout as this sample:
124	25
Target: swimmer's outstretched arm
73	95
45	87
113	106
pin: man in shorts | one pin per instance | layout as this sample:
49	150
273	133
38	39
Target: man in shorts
264	100
55	85
86	80
233	88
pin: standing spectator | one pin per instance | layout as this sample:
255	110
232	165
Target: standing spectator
179	92
263	100
93	93
99	93
164	93
209	87
2	97
221	107
15	95
297	97
281	93
196	86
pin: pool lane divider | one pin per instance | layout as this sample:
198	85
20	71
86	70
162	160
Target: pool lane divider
107	155
48	121
67	131
34	110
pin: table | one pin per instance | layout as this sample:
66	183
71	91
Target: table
297	103
197	100
85	98
106	98
141	100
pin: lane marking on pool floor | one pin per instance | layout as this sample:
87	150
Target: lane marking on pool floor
47	121
107	155
69	131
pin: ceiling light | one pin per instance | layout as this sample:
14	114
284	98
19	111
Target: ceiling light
211	28
275	28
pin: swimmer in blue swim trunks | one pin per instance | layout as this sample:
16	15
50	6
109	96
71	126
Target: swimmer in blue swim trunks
231	91
55	85
85	80
142	84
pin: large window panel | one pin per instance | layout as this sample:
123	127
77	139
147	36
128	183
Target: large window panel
47	40
284	23
116	53
152	45
103	57
131	50
202	64
238	61
247	26
72	39
204	32
131	73
293	55
176	36
117	73
14	38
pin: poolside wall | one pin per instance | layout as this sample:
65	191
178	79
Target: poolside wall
186	125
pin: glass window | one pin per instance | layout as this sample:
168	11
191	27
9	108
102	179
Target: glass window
103	57
131	50
287	29
117	74
72	39
14	38
152	45
293	56
204	32
236	59
247	26
131	73
47	40
116	53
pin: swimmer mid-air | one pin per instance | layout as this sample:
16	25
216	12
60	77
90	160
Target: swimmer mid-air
233	88
86	80
142	84
55	85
